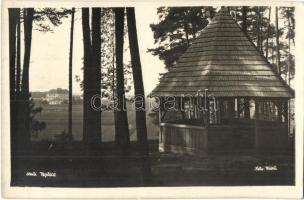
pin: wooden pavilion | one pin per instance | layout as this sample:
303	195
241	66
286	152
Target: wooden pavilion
244	99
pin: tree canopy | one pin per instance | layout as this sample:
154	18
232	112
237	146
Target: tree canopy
176	30
179	26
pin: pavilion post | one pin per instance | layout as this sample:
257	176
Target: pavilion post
285	114
219	117
231	109
161	135
191	105
246	108
280	111
206	113
182	108
221	113
202	110
285	111
194	105
216	111
160	120
160	114
238	113
256	128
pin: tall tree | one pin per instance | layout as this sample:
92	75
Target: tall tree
70	75
18	76
177	28
287	42
30	17
91	77
13	17
95	75
258	28
113	82
122	135
255	23
25	94
289	53
261	18
108	54
13	20
244	19
268	31
108	83
277	40
141	127
87	59
18	54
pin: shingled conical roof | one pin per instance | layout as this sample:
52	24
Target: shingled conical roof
224	61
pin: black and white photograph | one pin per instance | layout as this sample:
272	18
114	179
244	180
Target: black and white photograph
151	96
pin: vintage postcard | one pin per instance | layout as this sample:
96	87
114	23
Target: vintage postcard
154	99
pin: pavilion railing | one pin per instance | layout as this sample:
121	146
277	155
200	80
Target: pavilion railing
182	138
221	138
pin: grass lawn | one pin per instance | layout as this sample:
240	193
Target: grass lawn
56	118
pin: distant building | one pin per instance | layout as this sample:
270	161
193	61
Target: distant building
38	96
57	96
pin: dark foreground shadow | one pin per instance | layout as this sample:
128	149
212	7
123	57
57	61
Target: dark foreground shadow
71	165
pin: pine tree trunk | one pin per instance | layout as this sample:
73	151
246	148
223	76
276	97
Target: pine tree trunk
272	51
121	114
268	32
261	13
258	29
95	77
12	50
113	86
244	19
186	33
25	94
12	66
277	40
289	54
87	58
288	73
18	75
70	76
18	59
92	77
142	138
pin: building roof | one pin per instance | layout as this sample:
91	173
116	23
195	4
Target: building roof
224	61
58	91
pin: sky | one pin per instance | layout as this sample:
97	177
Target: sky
50	54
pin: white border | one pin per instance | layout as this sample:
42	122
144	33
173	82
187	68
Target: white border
152	192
